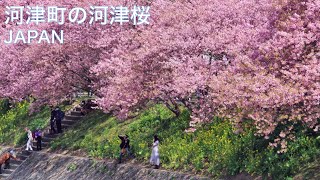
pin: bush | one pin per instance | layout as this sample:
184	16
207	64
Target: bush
14	121
280	166
213	149
4	106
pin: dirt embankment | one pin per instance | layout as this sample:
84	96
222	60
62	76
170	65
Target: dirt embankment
44	166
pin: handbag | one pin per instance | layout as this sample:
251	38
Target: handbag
123	151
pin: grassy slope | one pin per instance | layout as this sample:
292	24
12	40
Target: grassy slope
14	121
213	149
310	171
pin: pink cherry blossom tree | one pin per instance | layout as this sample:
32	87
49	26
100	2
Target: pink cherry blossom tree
248	59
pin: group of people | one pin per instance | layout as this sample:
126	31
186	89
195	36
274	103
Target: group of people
36	135
87	106
125	149
56	117
124	146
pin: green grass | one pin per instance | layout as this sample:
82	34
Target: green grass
72	167
309	171
16	119
212	150
13	122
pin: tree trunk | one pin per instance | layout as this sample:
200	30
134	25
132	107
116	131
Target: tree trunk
173	107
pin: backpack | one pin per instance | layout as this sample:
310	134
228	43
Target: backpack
60	115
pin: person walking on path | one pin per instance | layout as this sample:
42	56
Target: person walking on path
155	157
5	159
124	146
52	121
30	138
38	136
59	115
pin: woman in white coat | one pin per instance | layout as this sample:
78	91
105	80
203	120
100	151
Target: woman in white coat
30	138
155	158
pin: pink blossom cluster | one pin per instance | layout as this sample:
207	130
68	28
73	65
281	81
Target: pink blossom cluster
244	59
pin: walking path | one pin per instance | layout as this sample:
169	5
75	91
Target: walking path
51	166
20	168
69	120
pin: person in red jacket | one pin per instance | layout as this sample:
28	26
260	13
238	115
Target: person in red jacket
5	159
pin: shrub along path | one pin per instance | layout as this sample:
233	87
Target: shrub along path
25	157
69	120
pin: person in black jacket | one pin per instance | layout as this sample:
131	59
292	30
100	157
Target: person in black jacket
124	146
38	137
59	115
52	121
